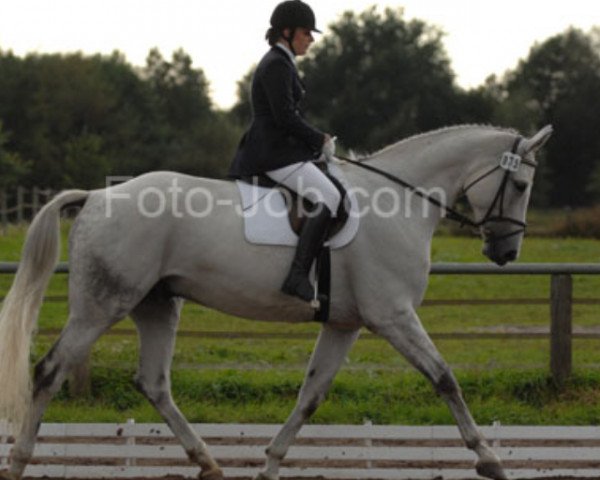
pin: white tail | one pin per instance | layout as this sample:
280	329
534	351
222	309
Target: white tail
18	317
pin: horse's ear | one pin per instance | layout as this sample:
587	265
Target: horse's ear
533	144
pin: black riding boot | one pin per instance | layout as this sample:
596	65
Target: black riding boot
312	236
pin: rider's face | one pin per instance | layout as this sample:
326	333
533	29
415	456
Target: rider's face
302	40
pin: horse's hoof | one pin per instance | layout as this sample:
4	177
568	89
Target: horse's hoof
213	474
491	470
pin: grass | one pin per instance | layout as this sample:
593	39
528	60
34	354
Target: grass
383	397
245	380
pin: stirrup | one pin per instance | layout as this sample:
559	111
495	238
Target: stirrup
314	299
317	303
319	298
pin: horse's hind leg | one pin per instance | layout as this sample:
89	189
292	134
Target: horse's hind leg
328	356
69	350
408	337
156	319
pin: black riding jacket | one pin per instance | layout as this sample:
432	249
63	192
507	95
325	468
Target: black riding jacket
278	135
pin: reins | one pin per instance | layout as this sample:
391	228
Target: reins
510	163
451	213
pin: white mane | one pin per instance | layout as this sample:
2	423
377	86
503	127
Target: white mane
432	133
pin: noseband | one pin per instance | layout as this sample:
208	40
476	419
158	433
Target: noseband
510	163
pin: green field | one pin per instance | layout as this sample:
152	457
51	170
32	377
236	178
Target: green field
249	380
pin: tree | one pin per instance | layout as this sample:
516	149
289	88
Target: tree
181	90
193	138
51	102
241	112
559	83
12	167
86	164
79	119
377	78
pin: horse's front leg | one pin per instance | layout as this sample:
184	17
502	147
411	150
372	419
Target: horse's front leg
406	334
328	355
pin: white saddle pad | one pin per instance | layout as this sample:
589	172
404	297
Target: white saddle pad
266	216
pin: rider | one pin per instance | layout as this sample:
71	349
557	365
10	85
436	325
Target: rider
281	144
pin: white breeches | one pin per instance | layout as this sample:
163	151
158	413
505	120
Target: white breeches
309	182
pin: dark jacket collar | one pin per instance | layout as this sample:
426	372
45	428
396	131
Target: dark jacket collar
279	51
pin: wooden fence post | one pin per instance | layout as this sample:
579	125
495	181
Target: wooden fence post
561	311
130	461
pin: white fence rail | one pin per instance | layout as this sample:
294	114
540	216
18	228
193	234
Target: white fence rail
332	451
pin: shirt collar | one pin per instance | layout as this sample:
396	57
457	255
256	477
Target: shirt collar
287	51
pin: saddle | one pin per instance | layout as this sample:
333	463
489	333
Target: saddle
298	206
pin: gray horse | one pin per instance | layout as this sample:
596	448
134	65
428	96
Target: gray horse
141	247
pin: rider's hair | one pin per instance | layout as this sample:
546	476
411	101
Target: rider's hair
273	35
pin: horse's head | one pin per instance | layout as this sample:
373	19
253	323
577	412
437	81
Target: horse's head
499	194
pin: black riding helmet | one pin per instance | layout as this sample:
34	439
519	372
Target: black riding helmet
293	14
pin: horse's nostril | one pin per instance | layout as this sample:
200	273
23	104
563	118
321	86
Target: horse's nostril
510	255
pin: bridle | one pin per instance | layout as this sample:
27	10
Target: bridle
509	162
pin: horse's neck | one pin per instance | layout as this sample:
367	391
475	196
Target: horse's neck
435	162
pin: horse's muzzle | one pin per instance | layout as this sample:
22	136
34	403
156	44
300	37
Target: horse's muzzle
495	254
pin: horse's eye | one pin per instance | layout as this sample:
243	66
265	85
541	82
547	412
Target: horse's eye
521	185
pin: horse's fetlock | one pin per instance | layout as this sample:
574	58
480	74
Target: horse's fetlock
199	456
485	453
18	463
274	453
214	473
17	456
473	443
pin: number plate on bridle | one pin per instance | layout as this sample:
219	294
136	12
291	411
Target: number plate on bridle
510	162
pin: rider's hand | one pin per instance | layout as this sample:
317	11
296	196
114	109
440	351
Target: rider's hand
329	147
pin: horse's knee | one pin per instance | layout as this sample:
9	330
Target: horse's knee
446	385
156	392
45	373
